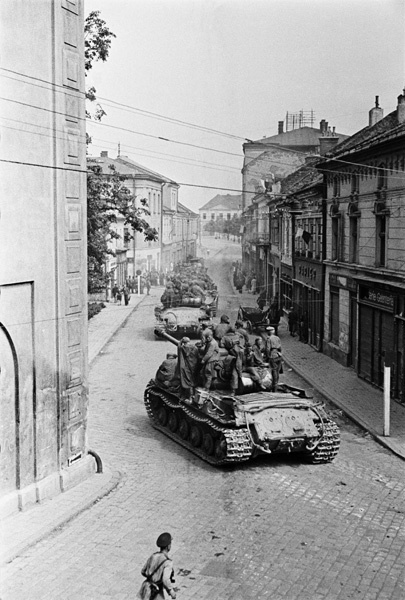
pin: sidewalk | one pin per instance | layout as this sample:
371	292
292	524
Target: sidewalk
22	530
358	399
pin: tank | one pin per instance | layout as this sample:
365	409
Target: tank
225	429
185	319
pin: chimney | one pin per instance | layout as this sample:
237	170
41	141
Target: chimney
401	108
375	114
281	126
104	154
327	141
323	126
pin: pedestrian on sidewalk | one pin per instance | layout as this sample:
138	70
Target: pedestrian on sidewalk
148	286
158	571
303	328
292	321
114	292
125	292
119	296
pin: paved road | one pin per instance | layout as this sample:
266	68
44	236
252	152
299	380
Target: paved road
270	528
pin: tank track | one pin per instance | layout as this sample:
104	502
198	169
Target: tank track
328	447
216	444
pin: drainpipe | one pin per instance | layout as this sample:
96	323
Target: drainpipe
161	225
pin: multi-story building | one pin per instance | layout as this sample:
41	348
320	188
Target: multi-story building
166	215
364	324
223	207
180	235
43	282
267	162
302	248
144	184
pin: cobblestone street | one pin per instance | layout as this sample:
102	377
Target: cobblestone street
274	528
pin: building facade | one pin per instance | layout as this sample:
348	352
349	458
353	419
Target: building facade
267	163
43	265
175	224
365	249
222	208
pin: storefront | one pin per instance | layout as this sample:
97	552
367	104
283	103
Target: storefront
286	287
308	301
273	275
378	338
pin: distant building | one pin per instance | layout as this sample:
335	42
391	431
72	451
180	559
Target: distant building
267	163
273	158
180	236
176	225
222	206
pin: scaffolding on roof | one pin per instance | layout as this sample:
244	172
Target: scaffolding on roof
303	118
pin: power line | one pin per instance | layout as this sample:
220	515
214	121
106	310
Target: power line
168	119
28	164
201	164
204	166
121	106
148	113
116	127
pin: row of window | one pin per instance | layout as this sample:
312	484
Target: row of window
354	225
220	216
355	182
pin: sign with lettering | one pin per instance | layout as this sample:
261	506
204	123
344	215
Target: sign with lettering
377	297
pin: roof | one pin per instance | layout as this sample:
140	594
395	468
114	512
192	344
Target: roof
182	208
126	166
384	130
225	202
303	177
304	136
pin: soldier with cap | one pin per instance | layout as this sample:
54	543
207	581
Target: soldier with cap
158	571
242	333
222	328
273	354
210	357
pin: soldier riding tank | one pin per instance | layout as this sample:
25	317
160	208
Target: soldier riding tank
224	429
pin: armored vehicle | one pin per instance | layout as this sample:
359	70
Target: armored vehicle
224	429
182	320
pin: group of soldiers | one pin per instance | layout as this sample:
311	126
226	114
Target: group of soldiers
187	281
227	348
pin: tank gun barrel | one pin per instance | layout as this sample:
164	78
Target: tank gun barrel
168	337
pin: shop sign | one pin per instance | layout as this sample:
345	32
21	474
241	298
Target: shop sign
307	272
377	297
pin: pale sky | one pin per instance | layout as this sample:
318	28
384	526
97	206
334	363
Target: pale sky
238	66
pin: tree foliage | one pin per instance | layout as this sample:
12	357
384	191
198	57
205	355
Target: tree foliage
97	39
231	226
107	197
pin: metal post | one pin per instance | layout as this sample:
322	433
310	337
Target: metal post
387	399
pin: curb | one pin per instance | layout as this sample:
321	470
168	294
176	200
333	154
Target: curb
353	416
80	507
114	331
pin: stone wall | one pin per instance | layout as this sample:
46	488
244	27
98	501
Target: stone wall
43	308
